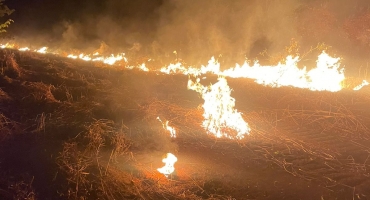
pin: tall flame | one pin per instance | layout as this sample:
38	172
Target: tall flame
220	117
169	167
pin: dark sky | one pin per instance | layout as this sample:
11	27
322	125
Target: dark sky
194	28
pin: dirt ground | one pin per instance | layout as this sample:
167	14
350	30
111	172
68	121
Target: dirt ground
81	130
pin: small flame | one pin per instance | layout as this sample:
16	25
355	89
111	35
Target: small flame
220	117
42	50
363	84
84	57
113	59
169	161
7	45
168	128
72	56
143	67
24	49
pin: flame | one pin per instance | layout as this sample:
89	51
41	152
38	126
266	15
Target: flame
168	128
84	57
72	56
143	67
220	117
42	50
169	161
24	49
7	45
363	84
328	75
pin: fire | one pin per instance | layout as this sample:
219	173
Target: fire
24	49
327	75
7	45
42	50
169	161
220	117
363	84
110	60
143	67
168	128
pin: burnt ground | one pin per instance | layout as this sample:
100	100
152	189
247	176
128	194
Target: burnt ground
80	130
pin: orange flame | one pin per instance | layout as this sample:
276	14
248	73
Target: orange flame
168	128
327	75
169	161
219	114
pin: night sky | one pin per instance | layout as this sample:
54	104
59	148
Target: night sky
196	29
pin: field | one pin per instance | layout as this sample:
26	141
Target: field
79	130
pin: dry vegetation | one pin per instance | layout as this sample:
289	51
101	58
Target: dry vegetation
71	130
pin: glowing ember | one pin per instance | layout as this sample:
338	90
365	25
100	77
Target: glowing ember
220	117
168	128
169	161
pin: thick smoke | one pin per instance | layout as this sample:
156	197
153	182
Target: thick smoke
194	29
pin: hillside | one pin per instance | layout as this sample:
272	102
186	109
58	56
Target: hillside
72	129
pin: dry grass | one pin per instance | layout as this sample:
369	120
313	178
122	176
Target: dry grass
81	160
75	163
11	67
4	95
328	112
7	127
21	189
189	120
41	122
41	92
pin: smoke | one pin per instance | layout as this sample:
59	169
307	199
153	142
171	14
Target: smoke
195	29
200	29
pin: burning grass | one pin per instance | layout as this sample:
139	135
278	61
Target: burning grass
184	118
100	130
